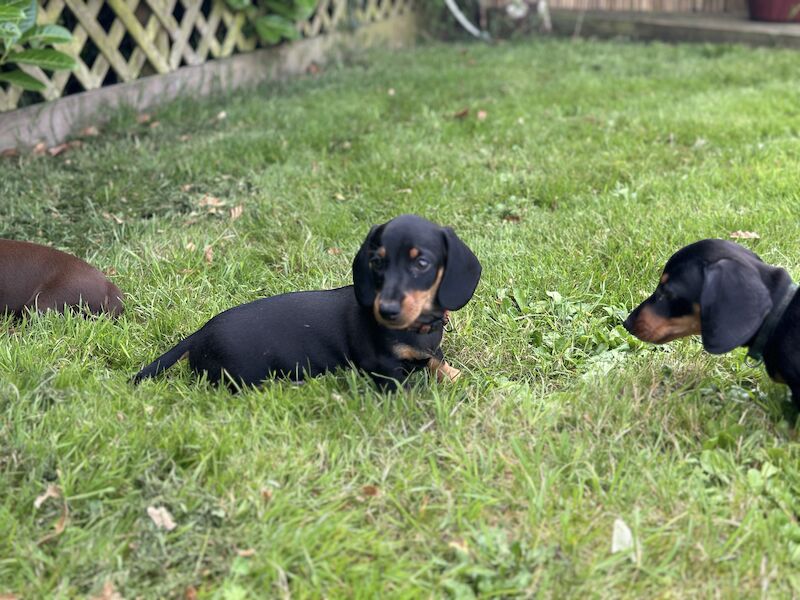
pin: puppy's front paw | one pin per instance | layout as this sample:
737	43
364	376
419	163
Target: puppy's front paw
443	371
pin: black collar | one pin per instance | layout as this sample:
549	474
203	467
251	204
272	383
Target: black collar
756	351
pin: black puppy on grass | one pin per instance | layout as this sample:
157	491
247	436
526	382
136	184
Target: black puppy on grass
726	294
408	274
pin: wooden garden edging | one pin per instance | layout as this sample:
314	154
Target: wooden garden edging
160	49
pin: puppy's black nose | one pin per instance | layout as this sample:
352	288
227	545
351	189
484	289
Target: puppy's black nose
628	323
389	309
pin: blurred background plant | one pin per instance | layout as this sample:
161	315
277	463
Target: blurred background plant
23	42
274	20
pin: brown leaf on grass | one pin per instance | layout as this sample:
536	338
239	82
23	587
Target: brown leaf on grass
112	217
8	597
512	218
191	247
90	131
266	494
187	187
371	491
9	153
59	527
208	254
110	271
52	491
459	546
333	251
482	114
109	592
185	137
143	118
56	150
190	593
246	553
461	113
161	517
745	235
210	202
236	212
40	148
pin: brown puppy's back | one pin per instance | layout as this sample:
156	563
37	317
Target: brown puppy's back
35	276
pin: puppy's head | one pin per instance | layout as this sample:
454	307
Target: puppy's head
713	288
410	269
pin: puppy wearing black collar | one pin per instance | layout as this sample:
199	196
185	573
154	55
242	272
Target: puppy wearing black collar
729	296
408	274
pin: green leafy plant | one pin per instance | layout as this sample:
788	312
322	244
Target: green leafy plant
22	42
274	20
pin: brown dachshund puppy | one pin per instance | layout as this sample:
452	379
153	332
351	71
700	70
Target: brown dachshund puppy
34	277
726	294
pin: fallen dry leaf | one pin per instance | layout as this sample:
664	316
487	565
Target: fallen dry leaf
8	597
187	187
109	592
333	251
40	148
52	491
210	201
459	546
246	553
190	593
110	271
59	527
161	517
371	491
236	212
745	235
191	247
9	153
622	539
185	137
208	254
56	150
482	114
266	494
113	217
90	131
143	118
461	113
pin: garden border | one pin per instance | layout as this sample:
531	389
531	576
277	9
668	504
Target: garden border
53	122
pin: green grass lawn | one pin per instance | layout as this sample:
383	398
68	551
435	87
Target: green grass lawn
594	162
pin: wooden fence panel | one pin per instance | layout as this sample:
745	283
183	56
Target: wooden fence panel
122	40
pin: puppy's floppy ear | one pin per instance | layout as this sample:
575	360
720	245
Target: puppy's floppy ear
733	304
362	274
462	271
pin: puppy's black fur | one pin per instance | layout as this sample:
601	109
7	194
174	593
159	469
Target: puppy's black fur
725	293
408	273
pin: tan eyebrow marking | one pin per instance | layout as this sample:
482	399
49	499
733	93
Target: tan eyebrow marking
414	252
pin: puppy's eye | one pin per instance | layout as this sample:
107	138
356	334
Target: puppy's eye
422	263
376	263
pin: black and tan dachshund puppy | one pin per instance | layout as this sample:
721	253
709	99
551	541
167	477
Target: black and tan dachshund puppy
725	293
407	275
